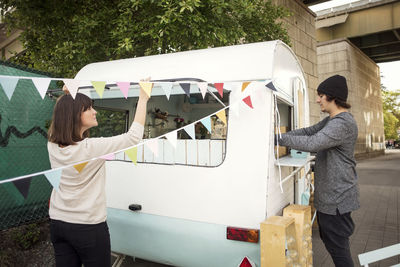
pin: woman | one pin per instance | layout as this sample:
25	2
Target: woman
78	227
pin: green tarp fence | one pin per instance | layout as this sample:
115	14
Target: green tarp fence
23	149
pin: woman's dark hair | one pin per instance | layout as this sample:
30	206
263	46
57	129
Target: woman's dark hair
66	122
338	102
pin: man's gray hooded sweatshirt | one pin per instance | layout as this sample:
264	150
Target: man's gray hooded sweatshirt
334	140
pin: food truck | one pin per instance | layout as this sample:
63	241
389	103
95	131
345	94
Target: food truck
200	202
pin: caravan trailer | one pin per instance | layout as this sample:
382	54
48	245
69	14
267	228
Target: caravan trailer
180	205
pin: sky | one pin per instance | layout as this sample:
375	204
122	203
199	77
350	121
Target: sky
390	70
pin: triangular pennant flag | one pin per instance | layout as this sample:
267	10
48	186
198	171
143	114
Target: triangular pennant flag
172	137
244	85
167	87
186	88
221	115
79	167
247	100
110	156
152	144
54	178
41	85
99	86
72	86
190	130
147	87
220	88
23	186
203	88
124	87
207	123
9	85
271	86
132	154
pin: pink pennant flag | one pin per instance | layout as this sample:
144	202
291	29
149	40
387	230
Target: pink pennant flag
124	87
72	86
247	100
110	156
203	88
172	138
190	130
220	88
152	144
41	85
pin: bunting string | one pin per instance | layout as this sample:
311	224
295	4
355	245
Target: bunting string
50	174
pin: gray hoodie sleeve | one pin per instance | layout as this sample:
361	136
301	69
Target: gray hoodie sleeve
331	134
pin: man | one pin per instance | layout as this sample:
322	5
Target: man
336	189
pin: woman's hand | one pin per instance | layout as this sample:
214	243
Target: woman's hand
142	94
65	90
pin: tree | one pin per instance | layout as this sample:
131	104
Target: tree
62	36
391	112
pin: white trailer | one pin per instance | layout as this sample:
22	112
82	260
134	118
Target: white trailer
191	195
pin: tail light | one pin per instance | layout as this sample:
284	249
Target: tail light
242	234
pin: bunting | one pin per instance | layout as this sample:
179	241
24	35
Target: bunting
167	87
147	87
186	88
172	138
220	88
72	86
8	85
203	88
99	86
124	87
152	144
54	178
207	123
244	85
247	100
190	131
41	85
81	166
221	115
132	154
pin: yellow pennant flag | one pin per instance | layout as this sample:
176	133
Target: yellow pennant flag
147	87
221	115
99	86
79	167
132	154
244	85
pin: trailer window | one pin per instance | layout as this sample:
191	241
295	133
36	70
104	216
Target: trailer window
208	149
285	123
110	122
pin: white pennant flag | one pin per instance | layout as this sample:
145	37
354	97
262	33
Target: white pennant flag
152	144
54	178
190	130
41	85
172	138
72	86
167	87
203	88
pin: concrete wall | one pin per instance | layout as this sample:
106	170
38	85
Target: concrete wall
363	79
302	34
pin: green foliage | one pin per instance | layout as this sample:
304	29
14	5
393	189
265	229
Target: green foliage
391	112
27	236
63	36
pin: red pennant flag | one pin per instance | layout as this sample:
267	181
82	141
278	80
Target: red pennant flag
220	88
247	100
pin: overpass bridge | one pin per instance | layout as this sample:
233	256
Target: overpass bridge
371	25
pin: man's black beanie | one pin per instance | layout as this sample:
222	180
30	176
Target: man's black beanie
334	86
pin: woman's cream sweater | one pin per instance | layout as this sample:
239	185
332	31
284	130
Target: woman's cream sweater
81	196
